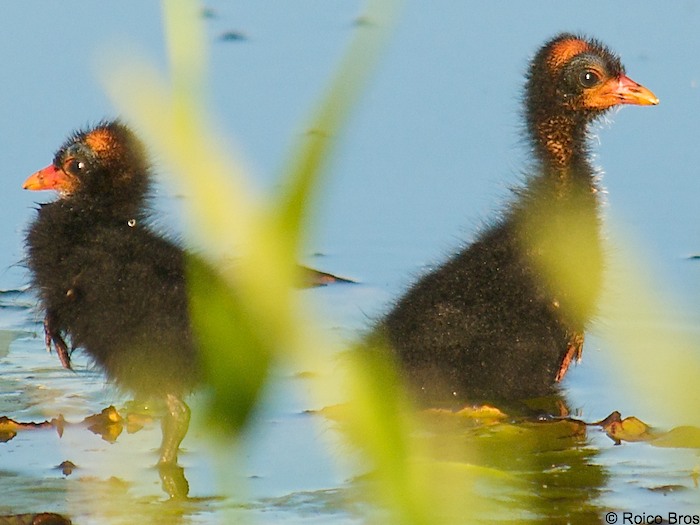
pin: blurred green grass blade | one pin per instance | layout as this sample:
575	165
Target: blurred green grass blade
304	170
187	51
235	354
241	317
654	356
246	317
378	421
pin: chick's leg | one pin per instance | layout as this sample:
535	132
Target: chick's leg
175	425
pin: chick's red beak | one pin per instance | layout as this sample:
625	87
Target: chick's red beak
620	90
50	178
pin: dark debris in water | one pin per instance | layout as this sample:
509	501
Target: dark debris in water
108	424
633	429
209	13
232	36
67	467
42	518
668	489
312	278
325	502
10	427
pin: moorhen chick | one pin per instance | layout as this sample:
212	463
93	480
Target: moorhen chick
499	320
110	284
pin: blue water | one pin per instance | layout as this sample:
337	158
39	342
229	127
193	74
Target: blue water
426	159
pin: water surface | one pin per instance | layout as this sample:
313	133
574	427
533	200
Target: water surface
427	158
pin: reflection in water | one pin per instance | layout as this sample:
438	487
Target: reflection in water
109	424
67	468
523	466
487	466
173	480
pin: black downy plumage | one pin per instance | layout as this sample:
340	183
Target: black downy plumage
503	318
110	284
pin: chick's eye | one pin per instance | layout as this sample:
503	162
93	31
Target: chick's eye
589	78
74	166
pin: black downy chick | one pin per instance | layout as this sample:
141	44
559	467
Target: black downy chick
503	319
107	282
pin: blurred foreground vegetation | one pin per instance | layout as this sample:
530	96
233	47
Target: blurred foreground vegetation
423	467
